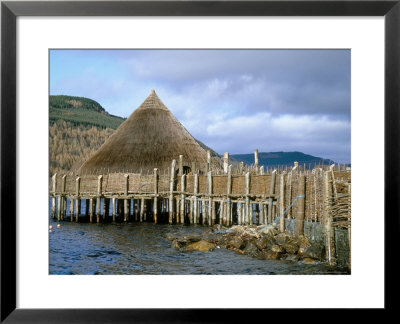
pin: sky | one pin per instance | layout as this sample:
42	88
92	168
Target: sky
232	100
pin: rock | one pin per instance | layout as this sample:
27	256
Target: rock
223	242
236	242
212	237
252	250
269	255
188	239
175	244
309	261
291	247
303	244
315	251
282	238
267	229
277	248
292	257
202	245
265	242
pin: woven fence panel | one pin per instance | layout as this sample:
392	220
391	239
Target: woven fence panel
238	185
259	184
203	189
163	183
190	183
115	183
343	176
89	183
70	184
146	184
134	182
220	185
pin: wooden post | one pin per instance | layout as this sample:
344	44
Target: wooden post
256	160
300	205
182	203
271	192
290	176
262	170
204	211
239	213
53	199
282	203
329	230
126	190
155	205
63	199
247	208
91	207
171	195
222	212
141	210
196	202
113	209
226	162
180	171
208	160
78	201
213	213
349	226
191	208
227	218
210	200
99	193
261	214
178	209
71	209
241	168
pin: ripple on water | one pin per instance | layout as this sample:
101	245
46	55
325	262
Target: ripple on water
82	248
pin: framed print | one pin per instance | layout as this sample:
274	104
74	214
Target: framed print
256	79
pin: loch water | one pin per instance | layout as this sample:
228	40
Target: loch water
142	249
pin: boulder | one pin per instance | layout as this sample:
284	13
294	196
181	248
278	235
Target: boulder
282	238
265	242
267	229
309	261
315	250
175	244
252	250
212	237
188	239
292	257
277	249
291	247
223	242
202	246
236	242
269	255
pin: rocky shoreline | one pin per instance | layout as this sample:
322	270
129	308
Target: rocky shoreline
261	242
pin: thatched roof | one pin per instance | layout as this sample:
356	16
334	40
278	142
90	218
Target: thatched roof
150	138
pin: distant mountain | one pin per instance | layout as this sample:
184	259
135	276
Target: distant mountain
274	159
81	111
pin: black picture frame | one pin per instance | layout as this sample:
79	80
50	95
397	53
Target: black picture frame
10	10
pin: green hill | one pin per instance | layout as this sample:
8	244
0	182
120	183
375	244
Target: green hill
81	111
274	159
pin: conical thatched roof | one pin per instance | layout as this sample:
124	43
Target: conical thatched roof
150	138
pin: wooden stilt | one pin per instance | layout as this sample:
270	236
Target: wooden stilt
196	202
226	162
239	213
126	190
256	160
71	209
113	209
191	210
222	213
171	195
211	215
178	209
271	192
155	204
228	219
63	199
53	199
99	193
142	210
78	201
182	203
329	230
208	160
247	207
300	205
282	203
91	207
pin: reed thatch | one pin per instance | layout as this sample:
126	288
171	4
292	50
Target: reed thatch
150	138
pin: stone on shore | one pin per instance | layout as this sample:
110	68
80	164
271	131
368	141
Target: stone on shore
202	246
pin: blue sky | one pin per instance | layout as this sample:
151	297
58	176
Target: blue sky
232	100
